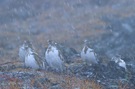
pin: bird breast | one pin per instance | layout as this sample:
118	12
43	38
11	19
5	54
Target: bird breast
122	64
89	55
52	57
22	53
31	62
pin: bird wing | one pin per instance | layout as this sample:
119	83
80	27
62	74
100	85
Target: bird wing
96	57
60	55
62	58
38	59
94	54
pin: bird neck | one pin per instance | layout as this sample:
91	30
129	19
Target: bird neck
30	50
85	49
51	48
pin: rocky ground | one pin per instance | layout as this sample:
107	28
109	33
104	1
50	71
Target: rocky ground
107	24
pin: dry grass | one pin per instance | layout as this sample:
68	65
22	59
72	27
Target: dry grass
123	86
70	84
43	86
65	81
74	82
95	85
14	85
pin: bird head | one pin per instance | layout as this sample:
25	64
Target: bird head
28	44
87	43
117	58
50	42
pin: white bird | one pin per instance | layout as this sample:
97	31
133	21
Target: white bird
54	57
120	62
22	51
32	59
88	54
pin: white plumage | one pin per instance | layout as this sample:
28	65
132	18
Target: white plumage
120	62
88	55
22	52
23	48
54	58
32	60
29	57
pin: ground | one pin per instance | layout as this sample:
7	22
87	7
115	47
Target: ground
107	24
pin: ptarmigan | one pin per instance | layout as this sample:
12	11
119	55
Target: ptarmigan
88	54
22	50
53	57
32	59
120	62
